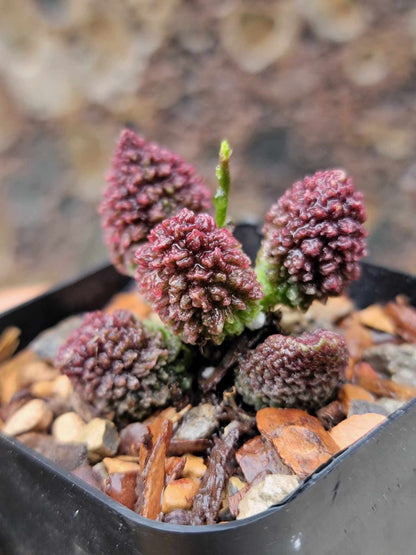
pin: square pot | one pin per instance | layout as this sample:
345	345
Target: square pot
362	502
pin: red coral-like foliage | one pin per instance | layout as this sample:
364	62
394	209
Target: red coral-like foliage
147	183
197	278
314	237
112	360
303	372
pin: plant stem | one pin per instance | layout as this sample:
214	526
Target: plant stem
220	200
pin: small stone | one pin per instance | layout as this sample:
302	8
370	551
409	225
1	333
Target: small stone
47	344
86	473
81	407
100	473
391	405
67	427
350	392
58	405
132	438
194	467
397	362
67	455
34	415
44	388
101	438
37	371
114	465
179	494
235	485
354	428
62	387
273	489
364	407
199	423
207	372
236	489
19	399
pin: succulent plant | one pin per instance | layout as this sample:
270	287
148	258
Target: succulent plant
198	279
302	372
147	184
117	363
313	240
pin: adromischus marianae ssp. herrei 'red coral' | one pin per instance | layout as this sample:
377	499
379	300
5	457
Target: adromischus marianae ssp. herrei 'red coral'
117	363
147	183
313	241
197	278
303	372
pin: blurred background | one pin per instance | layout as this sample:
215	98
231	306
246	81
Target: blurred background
295	86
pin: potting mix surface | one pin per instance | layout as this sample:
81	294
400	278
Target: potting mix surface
207	457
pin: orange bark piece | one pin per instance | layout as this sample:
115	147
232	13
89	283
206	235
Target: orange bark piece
404	317
121	486
179	494
258	455
375	317
9	340
299	438
369	379
129	301
350	392
356	336
154	473
174	467
12	374
168	414
355	427
270	421
234	500
144	453
303	449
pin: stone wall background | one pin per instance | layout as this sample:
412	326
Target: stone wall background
294	85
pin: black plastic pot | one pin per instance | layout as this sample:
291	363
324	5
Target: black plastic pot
363	502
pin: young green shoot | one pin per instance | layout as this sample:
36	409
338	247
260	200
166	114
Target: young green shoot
220	199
